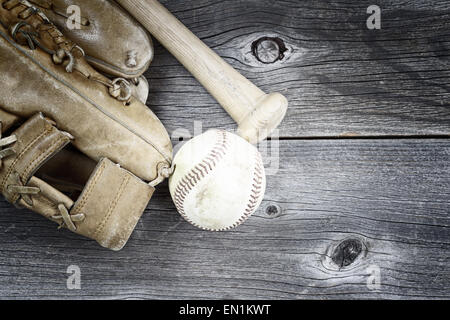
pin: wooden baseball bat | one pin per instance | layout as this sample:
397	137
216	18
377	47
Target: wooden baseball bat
256	113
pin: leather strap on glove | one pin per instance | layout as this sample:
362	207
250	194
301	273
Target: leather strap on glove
109	206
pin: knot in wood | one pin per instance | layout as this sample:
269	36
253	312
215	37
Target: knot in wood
273	210
347	252
269	50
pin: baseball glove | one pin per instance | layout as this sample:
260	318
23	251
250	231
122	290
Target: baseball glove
77	145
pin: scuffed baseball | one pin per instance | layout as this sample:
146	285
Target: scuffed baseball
219	180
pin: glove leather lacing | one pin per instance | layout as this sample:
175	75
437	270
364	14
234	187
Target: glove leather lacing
119	88
26	192
67	219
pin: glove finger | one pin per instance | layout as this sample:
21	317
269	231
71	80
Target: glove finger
113	41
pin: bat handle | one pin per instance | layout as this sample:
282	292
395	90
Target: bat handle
255	112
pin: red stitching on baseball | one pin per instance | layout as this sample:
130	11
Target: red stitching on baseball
256	188
202	169
205	167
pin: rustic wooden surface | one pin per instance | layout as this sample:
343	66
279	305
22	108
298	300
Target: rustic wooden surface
341	79
363	179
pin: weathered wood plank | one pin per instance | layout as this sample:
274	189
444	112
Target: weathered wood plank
392	197
341	78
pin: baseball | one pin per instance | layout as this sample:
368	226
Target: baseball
218	182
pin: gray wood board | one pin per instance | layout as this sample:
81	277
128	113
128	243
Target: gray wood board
341	79
392	196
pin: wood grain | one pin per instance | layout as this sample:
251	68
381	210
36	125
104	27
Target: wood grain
341	79
391	195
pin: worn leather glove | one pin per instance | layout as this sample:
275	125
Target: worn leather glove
113	42
76	145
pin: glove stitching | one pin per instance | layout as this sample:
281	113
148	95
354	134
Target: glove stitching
19	156
89	190
54	146
113	205
26	172
141	211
